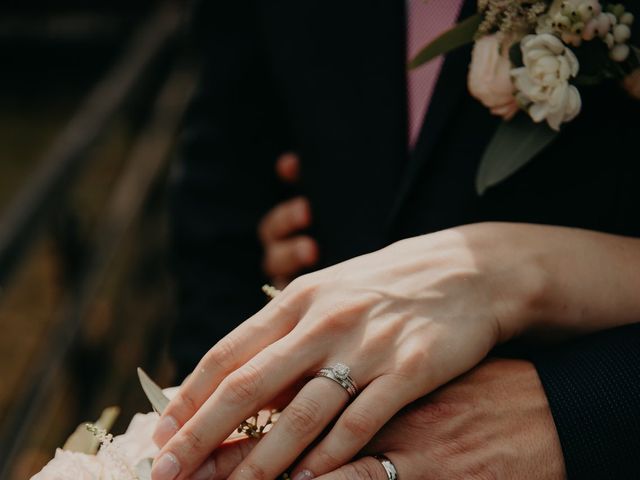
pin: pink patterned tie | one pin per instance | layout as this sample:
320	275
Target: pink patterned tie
426	20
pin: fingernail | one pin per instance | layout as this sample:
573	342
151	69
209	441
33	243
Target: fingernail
167	427
304	475
205	472
165	468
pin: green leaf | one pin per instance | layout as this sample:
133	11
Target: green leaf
514	144
154	393
460	35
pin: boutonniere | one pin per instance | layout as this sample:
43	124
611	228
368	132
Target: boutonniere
530	58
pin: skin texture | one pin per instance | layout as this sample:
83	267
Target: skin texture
287	252
407	319
492	423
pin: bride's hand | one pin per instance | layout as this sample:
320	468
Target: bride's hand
405	319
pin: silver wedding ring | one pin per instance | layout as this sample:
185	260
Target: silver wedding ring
339	373
389	467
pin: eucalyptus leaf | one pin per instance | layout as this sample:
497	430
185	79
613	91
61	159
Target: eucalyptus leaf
514	144
158	400
83	441
458	36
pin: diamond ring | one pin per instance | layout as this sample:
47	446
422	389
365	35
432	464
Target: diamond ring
340	374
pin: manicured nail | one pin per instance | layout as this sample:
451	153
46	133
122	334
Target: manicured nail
205	472
165	468
167	427
304	475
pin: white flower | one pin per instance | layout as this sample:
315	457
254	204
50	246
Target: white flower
489	77
543	83
73	466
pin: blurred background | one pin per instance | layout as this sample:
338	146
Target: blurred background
91	97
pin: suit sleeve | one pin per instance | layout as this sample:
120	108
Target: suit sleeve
223	182
593	388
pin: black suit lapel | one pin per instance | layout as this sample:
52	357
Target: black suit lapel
449	89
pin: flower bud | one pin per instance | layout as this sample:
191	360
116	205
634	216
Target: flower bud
627	18
619	53
604	24
562	22
590	30
609	40
621	33
617	10
577	28
585	12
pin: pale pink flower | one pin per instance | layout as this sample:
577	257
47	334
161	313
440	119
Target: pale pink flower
136	443
489	78
73	466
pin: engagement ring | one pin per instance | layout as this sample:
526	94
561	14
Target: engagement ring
340	374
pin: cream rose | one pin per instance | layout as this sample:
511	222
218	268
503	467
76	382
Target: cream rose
73	466
489	78
543	83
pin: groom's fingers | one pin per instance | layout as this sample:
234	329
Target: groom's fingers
238	397
286	258
269	325
369	468
369	412
225	459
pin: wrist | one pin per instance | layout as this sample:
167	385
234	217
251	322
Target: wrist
514	261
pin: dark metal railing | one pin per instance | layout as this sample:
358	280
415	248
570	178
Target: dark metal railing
45	191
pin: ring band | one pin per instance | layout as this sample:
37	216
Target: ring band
389	467
339	373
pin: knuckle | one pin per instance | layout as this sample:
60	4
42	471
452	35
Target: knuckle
413	360
251	471
299	292
221	356
186	399
327	459
341	315
192	440
359	425
302	416
436	412
362	471
243	385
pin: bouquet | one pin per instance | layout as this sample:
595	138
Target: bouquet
92	453
529	61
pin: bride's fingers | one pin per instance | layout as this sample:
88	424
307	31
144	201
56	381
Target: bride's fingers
273	322
370	411
239	396
315	406
224	460
370	468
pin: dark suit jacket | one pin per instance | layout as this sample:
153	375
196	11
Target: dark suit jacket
327	80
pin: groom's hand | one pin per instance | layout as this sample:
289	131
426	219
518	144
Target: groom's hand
493	422
287	252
